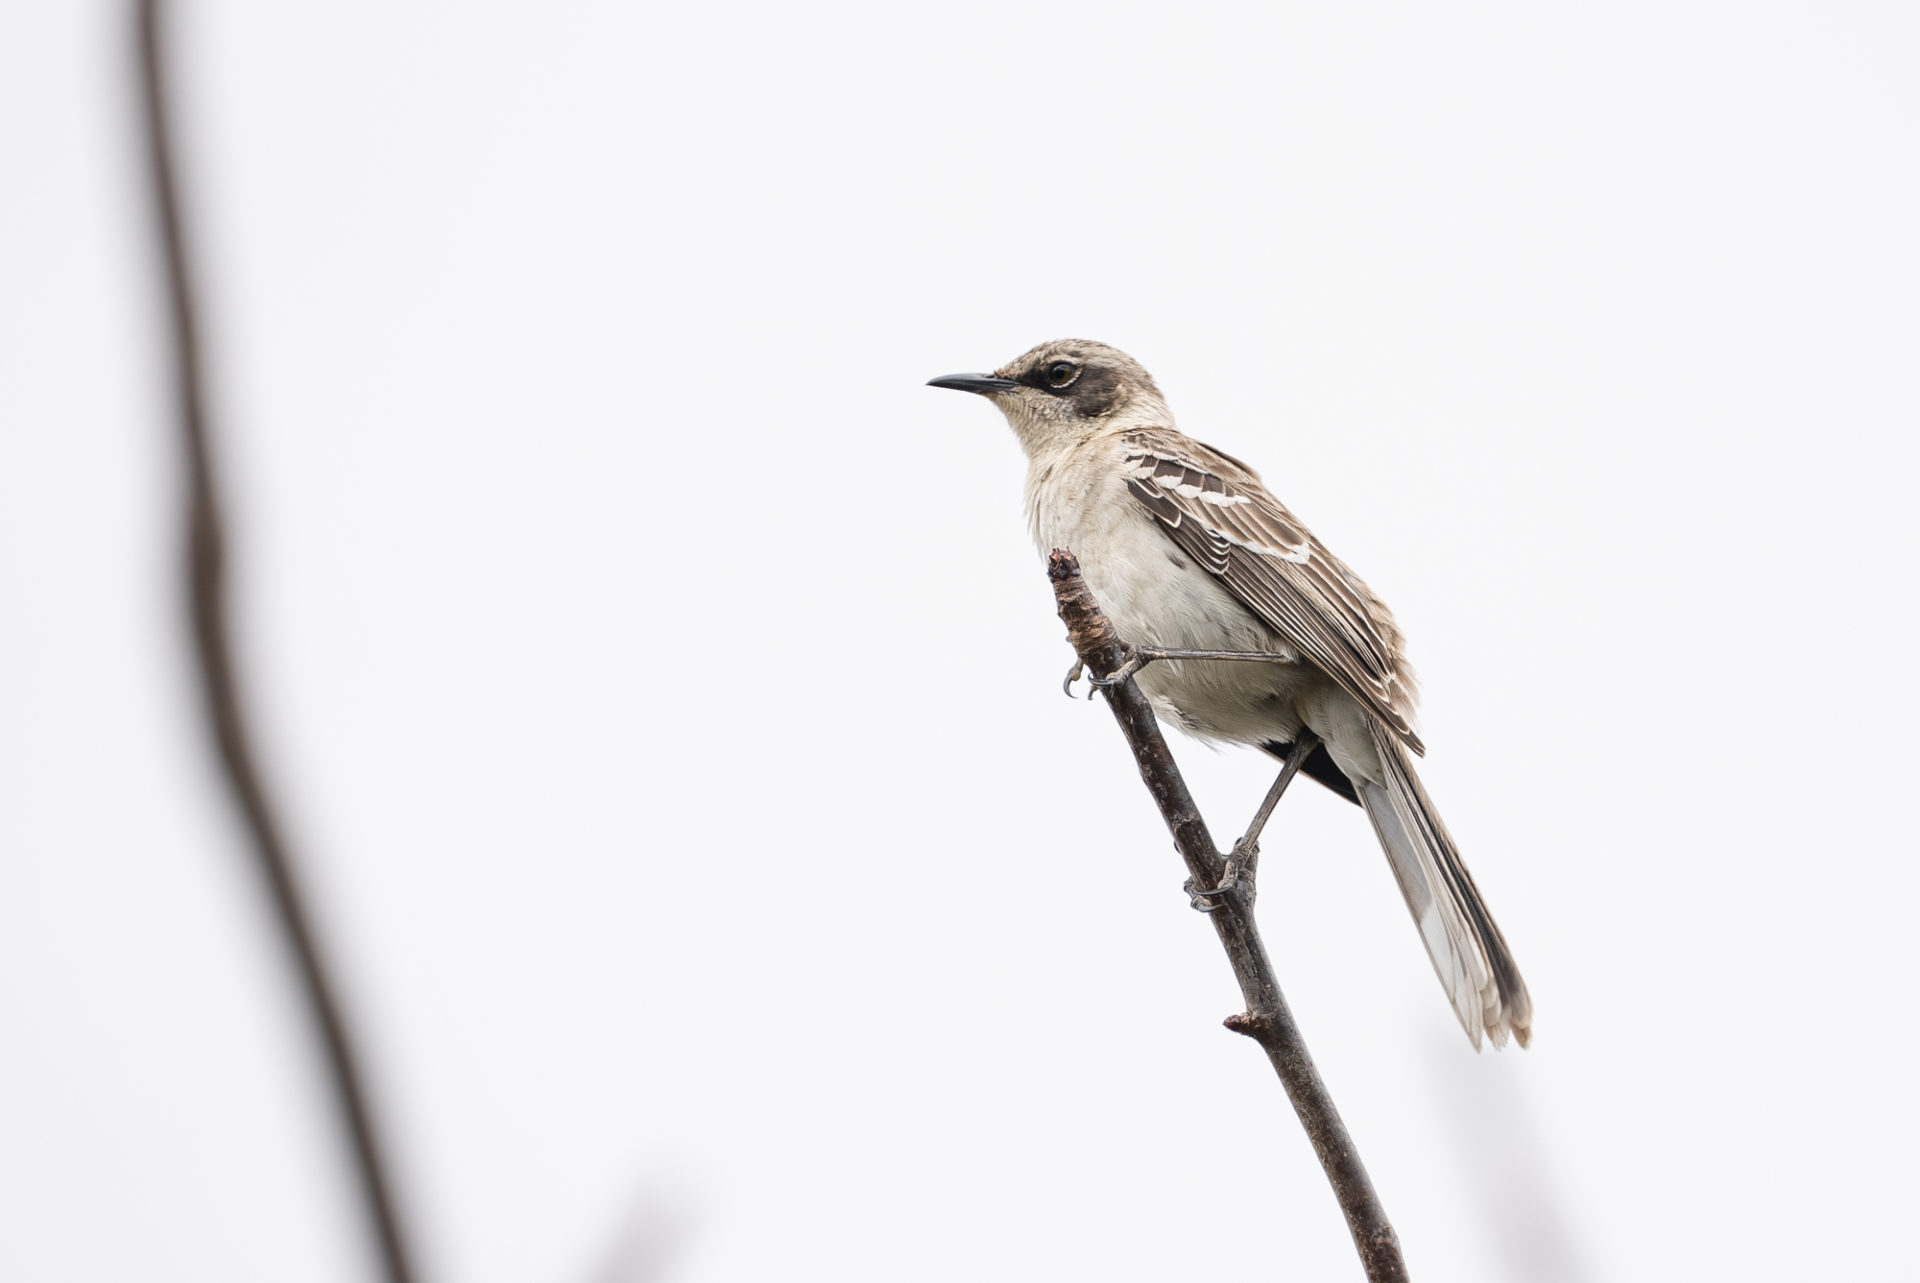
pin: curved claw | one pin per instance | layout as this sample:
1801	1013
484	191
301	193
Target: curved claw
1073	675
1197	900
1232	884
1200	899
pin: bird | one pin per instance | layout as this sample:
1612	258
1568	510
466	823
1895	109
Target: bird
1186	549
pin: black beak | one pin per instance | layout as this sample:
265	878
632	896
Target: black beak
973	383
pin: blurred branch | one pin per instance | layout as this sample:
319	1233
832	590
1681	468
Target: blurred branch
1266	1019
206	556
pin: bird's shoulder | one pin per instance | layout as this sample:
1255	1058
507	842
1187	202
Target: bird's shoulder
1183	480
1218	510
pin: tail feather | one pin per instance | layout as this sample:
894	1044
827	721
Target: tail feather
1469	954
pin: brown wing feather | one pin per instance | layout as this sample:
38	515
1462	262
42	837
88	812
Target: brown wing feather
1219	514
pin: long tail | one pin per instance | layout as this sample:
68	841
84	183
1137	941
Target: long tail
1468	952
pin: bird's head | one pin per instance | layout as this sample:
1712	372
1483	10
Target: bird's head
1067	390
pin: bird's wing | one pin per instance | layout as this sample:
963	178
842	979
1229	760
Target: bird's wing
1215	509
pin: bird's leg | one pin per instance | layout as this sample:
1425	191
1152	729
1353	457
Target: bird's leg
1247	849
1144	655
1244	861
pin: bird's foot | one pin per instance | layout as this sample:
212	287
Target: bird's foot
1136	660
1236	883
1073	675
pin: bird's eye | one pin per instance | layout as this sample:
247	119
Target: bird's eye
1062	373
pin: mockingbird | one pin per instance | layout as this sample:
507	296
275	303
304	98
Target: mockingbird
1186	550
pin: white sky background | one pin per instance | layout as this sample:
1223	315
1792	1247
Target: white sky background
665	695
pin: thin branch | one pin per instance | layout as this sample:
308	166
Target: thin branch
206	558
1266	1019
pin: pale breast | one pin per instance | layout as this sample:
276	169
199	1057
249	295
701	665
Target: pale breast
1155	595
